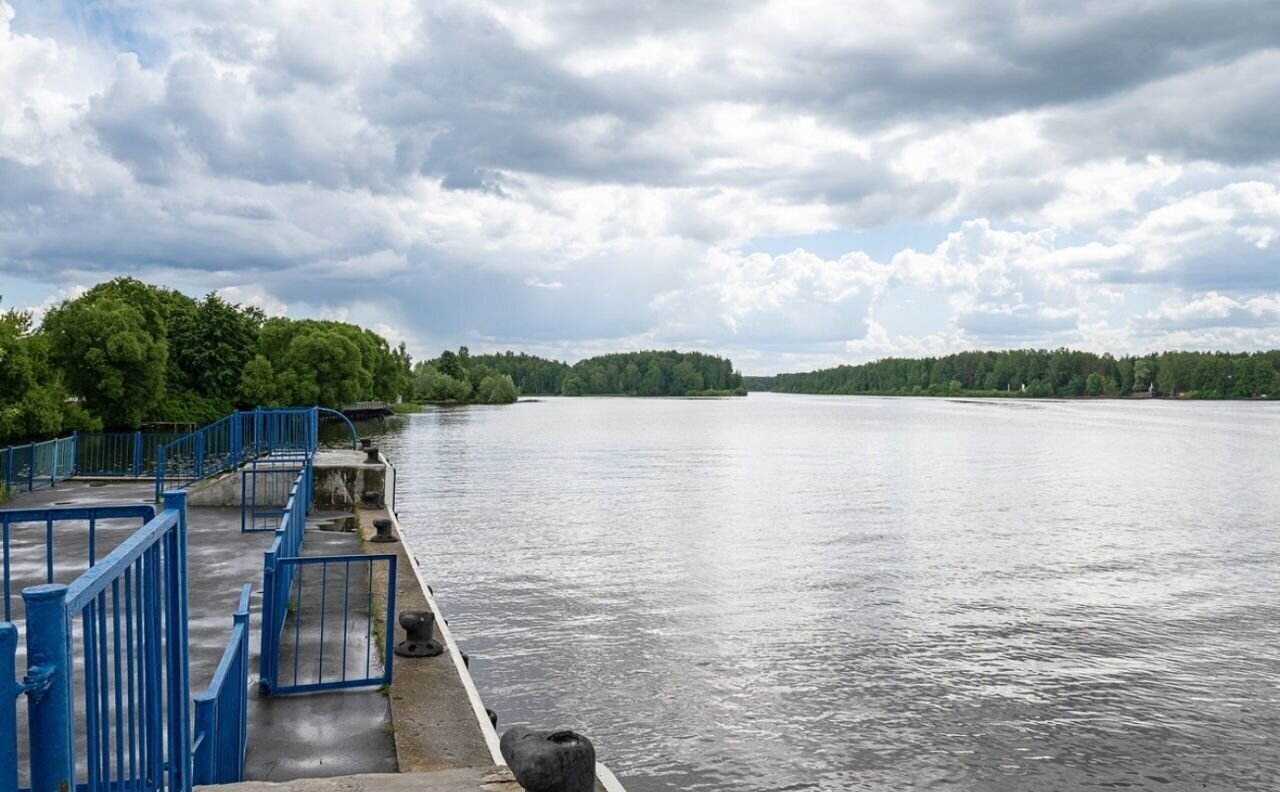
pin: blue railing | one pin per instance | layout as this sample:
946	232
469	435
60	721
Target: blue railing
338	603
226	443
124	622
284	595
119	454
26	468
35	532
222	712
265	486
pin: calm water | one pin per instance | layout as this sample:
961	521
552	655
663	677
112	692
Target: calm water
789	592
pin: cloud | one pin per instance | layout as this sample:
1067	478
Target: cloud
577	177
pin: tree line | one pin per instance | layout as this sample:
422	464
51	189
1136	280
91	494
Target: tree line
646	373
127	353
1052	373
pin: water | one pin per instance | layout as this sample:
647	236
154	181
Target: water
791	592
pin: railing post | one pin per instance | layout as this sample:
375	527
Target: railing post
267	644
160	471
8	708
75	452
237	439
53	463
49	713
178	669
31	467
8	469
137	454
199	455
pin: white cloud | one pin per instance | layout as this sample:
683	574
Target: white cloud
569	176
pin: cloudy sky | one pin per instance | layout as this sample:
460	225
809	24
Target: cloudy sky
790	183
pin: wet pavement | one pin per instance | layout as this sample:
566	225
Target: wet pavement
289	737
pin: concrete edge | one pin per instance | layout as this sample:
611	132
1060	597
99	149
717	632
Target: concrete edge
477	705
604	775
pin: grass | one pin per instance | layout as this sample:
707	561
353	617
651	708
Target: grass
407	408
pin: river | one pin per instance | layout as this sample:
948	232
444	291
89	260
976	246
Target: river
804	592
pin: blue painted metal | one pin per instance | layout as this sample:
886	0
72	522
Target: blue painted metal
119	454
126	619
9	692
49	709
228	442
320	656
265	486
222	714
355	437
47	520
34	466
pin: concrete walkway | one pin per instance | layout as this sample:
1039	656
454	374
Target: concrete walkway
469	779
289	737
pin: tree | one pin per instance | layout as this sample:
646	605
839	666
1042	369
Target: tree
110	355
258	383
497	389
1095	383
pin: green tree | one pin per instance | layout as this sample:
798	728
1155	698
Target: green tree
497	389
110	354
1095	384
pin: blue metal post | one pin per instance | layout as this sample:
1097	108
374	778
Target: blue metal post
199	455
75	452
31	467
160	472
267	645
179	666
137	454
8	468
8	709
237	439
49	713
53	466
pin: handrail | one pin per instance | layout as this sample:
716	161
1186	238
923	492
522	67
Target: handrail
355	436
50	517
222	710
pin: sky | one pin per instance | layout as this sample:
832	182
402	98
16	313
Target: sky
792	184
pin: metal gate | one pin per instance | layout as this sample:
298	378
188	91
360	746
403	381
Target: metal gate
327	622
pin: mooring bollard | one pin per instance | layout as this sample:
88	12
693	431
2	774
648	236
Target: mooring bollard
493	717
372	498
418	628
383	526
365	442
372	456
556	761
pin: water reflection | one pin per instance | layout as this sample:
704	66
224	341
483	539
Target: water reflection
823	593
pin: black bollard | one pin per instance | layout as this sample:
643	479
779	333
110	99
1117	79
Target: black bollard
466	660
372	458
493	717
365	442
418	627
372	498
558	761
383	525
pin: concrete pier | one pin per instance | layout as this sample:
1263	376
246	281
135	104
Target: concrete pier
427	731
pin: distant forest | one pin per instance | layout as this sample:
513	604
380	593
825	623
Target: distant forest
1060	373
648	373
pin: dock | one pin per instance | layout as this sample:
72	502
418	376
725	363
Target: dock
317	712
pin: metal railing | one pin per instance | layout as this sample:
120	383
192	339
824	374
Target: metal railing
119	454
337	601
228	442
39	557
265	487
222	712
285	597
26	468
122	625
